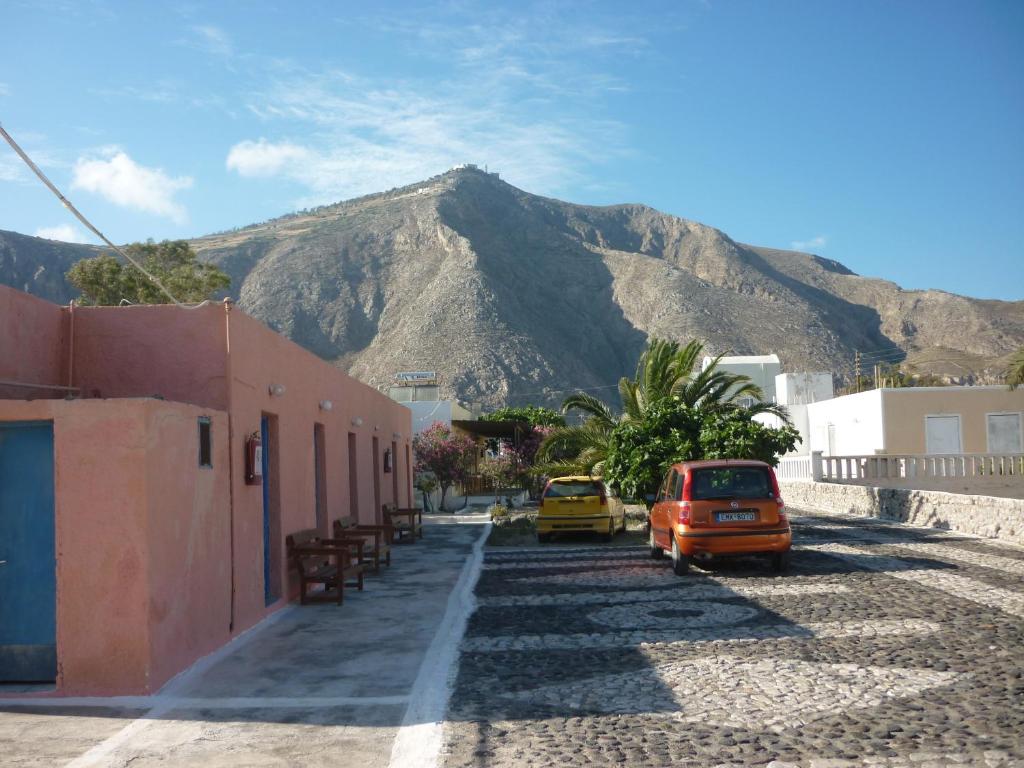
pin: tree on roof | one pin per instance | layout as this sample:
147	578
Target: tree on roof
105	281
534	415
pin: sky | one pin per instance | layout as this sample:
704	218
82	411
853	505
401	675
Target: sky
886	135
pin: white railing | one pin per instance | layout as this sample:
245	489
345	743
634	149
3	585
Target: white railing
918	467
796	468
958	473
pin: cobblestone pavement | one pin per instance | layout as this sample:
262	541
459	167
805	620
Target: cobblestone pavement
884	646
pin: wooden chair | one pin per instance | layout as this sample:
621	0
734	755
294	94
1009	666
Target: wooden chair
324	561
377	537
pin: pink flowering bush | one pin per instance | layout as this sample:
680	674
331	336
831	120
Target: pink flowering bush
447	456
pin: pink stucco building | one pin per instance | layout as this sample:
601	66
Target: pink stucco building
133	542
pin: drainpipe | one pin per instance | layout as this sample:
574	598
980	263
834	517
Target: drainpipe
228	382
71	342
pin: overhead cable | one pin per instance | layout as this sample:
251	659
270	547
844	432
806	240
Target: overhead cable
67	204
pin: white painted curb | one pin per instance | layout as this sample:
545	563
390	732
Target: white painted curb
419	740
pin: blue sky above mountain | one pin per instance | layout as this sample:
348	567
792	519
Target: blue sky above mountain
884	135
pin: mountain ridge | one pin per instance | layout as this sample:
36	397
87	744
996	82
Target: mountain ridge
508	294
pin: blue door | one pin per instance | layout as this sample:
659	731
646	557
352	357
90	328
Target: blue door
28	564
268	593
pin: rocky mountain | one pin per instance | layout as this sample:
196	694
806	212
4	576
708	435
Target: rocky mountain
37	266
513	297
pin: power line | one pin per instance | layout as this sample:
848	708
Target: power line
67	204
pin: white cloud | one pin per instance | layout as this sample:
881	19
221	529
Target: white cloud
124	182
5	89
63	232
365	137
809	245
262	158
212	40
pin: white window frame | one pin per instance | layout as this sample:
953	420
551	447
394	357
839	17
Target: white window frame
959	426
1020	421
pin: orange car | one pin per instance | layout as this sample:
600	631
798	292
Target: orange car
707	509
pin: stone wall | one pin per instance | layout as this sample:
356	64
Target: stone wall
989	516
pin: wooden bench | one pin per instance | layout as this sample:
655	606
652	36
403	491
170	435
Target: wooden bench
324	561
378	537
405	520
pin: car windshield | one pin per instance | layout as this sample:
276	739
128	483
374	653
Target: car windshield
732	483
572	488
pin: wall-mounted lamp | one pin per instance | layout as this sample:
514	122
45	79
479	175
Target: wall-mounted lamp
326	405
276	390
357	421
376	427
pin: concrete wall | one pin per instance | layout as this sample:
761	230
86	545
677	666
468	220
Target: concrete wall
129	474
142	351
762	369
803	388
856	422
989	516
905	411
259	358
32	343
143	585
425	413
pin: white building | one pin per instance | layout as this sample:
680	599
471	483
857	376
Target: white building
419	392
762	370
797	391
919	420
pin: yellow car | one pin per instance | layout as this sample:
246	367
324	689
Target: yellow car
580	503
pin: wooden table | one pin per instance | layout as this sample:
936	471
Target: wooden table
414	515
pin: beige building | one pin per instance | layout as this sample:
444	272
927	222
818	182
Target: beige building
919	420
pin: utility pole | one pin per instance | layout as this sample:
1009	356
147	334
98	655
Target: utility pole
856	368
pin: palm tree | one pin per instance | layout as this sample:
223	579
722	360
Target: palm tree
665	369
1015	371
668	370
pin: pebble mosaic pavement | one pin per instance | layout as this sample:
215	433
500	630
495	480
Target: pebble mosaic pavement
885	646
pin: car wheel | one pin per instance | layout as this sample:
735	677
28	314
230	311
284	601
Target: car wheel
780	562
656	552
680	562
611	529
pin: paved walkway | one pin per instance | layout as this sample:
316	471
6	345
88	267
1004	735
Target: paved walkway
887	646
363	684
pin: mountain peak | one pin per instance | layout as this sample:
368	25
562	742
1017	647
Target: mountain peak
515	298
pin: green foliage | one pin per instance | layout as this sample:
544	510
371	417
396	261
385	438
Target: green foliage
737	436
1015	371
534	415
665	372
641	451
104	280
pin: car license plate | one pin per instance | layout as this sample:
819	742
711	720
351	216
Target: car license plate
734	517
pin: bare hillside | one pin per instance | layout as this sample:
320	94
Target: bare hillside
513	297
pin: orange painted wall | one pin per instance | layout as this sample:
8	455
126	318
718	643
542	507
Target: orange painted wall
141	539
128	477
259	358
151	350
32	343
